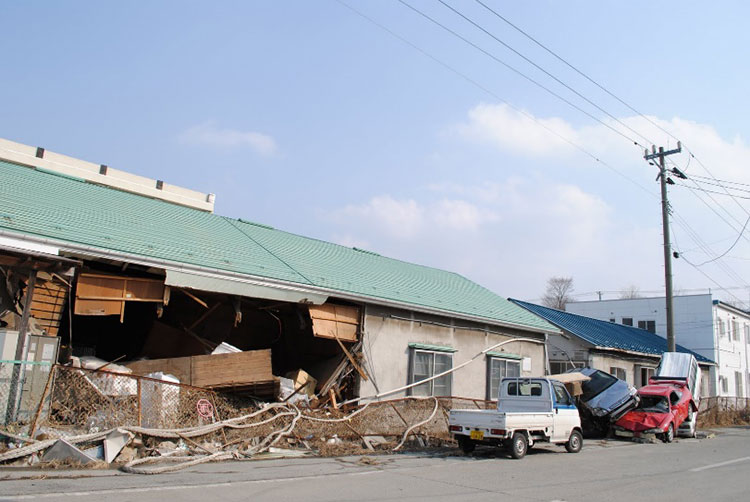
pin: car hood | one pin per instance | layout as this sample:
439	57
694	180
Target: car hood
643	420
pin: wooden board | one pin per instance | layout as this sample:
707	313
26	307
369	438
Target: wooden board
176	366
47	305
332	321
232	370
250	368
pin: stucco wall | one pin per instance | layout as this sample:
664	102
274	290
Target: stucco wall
605	362
386	339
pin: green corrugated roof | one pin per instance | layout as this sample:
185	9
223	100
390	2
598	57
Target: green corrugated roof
68	210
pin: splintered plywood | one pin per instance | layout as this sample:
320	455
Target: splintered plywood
335	321
47	305
238	370
98	294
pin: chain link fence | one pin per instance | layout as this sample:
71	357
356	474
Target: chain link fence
77	401
723	411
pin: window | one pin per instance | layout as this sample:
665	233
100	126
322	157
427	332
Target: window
497	369
674	397
617	372
747	333
524	388
557	367
612	319
646	373
722	328
648	325
738	384
426	364
735	330
561	395
723	384
627	321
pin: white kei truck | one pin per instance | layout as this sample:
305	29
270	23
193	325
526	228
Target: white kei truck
529	411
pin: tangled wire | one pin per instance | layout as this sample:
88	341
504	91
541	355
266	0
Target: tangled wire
282	410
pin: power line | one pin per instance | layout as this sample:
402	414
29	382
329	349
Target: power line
726	182
494	95
706	190
519	72
489	92
730	247
556	79
701	181
584	75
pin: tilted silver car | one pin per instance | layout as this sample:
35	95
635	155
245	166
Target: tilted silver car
605	398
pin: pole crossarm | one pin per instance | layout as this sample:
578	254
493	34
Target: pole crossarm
659	154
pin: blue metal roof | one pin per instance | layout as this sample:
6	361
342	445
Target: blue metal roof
604	333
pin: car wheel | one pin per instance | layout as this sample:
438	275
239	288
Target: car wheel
519	445
466	444
575	442
668	436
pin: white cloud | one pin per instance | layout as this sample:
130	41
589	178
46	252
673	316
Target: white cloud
408	219
517	132
524	134
519	232
526	220
209	134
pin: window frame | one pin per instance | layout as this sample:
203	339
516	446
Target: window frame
629	321
413	351
614	374
647	325
557	386
489	395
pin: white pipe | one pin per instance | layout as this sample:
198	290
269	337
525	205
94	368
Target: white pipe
446	372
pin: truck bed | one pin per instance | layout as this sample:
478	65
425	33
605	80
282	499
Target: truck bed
493	419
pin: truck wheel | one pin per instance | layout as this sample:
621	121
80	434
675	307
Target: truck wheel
467	445
575	442
519	445
668	436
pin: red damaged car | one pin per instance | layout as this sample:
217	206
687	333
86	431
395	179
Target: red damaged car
664	406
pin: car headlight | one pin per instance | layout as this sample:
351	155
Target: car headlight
653	431
599	412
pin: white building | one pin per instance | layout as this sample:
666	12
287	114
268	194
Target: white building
702	324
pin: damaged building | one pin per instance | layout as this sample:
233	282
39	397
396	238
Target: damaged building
130	272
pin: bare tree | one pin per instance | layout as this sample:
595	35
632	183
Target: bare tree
558	292
630	292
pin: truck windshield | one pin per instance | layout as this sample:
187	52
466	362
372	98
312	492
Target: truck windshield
599	382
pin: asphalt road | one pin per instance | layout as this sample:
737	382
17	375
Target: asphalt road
716	468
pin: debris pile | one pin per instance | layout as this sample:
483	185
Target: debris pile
154	425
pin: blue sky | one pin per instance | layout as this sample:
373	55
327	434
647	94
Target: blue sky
308	117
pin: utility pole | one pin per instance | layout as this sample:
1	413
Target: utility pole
661	154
